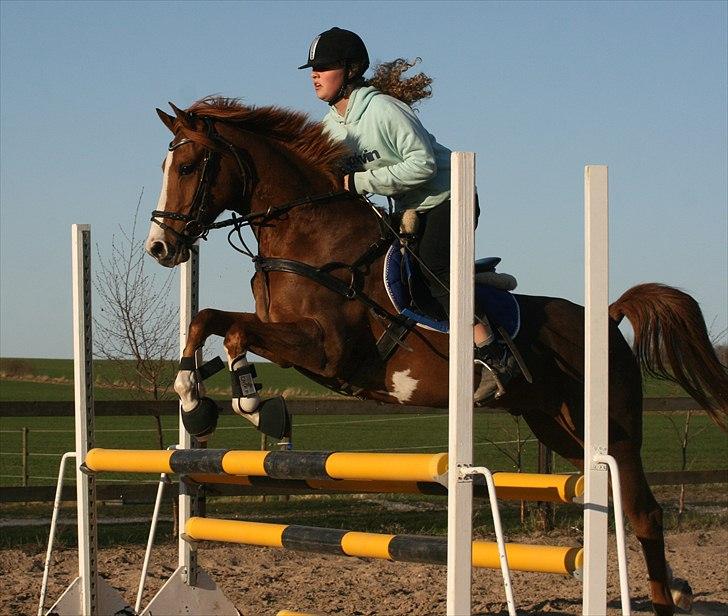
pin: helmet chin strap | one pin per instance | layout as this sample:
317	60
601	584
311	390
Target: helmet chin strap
340	94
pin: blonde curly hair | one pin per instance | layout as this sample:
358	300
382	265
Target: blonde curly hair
388	79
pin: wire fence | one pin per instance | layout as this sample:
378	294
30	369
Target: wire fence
16	457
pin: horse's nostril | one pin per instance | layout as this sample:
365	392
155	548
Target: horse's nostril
158	250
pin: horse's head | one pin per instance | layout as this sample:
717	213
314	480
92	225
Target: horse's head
203	175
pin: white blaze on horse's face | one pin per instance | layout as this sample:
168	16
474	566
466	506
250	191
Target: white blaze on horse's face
156	244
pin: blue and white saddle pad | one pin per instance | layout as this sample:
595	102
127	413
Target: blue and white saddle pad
500	306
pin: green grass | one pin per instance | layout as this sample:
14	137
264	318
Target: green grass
49	438
106	373
109	377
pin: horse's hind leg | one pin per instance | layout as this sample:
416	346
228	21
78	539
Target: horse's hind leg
645	516
640	506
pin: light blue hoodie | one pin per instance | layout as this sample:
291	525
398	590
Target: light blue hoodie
393	154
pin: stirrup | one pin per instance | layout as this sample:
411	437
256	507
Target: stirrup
493	388
499	371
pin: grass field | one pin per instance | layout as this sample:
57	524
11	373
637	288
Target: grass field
494	434
52	379
493	437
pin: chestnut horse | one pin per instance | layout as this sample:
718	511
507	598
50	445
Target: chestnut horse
321	306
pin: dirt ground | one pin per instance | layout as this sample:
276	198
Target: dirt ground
261	581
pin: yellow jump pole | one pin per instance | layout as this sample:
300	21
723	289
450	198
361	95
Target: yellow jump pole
129	460
509	486
538	487
232	531
386	466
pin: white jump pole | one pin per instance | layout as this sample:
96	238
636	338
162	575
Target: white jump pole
84	412
88	594
596	388
460	425
189	305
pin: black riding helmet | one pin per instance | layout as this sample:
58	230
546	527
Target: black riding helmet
338	47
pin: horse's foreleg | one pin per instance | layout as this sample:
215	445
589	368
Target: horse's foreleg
199	413
299	343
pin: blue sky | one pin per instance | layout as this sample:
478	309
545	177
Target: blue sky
538	90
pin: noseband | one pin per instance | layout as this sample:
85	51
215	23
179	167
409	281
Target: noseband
196	225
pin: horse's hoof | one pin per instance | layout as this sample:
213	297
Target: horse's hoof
275	420
682	594
201	421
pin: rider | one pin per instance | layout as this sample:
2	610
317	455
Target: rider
393	155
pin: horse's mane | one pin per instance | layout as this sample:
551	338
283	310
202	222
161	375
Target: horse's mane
293	129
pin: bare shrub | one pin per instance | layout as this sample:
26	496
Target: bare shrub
14	367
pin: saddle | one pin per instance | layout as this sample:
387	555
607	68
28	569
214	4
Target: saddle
410	296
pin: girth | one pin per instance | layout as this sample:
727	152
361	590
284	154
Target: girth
353	290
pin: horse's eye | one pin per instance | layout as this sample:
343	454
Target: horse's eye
186	169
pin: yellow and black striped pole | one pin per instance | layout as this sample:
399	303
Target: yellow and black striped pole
405	548
326	465
336	471
509	486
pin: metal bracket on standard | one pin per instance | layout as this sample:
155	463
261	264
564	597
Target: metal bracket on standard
466	472
597	459
602	459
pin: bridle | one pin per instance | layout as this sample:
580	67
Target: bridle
196	226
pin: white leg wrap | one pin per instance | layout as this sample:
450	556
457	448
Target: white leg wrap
249	402
186	387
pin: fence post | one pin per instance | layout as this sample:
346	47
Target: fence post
24	449
189	283
545	467
84	413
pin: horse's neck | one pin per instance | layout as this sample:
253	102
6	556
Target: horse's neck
332	230
316	233
281	176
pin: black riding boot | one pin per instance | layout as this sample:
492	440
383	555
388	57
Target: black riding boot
498	367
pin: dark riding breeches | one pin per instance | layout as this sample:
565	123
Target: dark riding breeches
434	250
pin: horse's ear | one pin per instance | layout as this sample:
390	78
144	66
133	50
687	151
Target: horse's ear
182	116
167	119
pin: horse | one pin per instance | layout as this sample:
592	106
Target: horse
321	306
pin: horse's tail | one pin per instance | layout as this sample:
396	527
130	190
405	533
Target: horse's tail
671	342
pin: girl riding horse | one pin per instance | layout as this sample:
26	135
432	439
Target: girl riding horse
394	156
